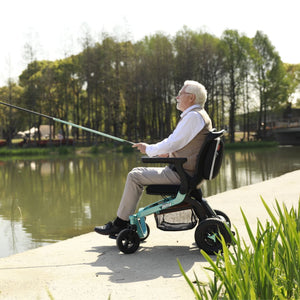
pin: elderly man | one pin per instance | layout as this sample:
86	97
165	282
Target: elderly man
185	141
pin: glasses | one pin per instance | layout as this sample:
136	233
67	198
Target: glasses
183	93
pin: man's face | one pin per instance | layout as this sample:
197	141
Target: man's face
184	99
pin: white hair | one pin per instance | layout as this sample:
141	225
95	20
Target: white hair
196	88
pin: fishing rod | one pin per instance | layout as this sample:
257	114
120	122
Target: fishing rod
68	123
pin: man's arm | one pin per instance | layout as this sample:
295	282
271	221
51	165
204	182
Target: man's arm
185	131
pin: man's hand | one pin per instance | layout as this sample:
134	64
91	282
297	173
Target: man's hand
141	147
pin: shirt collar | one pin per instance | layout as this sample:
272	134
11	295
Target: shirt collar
189	109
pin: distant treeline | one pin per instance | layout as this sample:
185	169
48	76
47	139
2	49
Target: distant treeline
127	89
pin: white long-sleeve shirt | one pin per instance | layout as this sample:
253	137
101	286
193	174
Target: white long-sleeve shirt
190	125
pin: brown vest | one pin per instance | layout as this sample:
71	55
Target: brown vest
191	150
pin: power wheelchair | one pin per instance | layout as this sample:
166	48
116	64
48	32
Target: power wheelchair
183	206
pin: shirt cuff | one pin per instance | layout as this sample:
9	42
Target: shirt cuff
150	150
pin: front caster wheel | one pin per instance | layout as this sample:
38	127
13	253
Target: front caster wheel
207	235
148	232
128	241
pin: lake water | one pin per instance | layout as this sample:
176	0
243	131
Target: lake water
47	200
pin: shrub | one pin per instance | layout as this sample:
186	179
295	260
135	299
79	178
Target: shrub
266	269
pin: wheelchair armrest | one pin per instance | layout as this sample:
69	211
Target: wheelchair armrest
168	160
178	163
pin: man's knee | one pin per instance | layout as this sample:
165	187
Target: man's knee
133	173
136	175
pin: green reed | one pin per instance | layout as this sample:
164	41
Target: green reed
268	268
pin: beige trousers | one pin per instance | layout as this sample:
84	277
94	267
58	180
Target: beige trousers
137	178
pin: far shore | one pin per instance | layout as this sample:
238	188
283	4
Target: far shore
103	147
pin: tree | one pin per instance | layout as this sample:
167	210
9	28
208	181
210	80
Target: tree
159	64
11	120
269	78
234	48
293	76
184	64
209	73
87	74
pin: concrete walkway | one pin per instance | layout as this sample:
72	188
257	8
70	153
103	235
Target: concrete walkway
91	267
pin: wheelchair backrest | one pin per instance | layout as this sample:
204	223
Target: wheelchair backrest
210	157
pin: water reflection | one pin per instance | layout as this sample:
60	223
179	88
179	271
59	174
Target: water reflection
43	201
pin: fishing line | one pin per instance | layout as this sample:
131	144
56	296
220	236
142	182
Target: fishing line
69	123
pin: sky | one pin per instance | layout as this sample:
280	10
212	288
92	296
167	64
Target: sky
54	28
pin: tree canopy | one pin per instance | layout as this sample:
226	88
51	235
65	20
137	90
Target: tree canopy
127	89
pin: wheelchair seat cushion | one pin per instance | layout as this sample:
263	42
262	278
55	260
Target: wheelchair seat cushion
162	189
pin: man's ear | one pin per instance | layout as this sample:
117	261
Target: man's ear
193	98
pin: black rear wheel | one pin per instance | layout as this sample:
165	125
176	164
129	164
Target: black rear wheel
128	241
223	217
208	235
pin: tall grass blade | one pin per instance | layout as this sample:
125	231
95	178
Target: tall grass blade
188	281
251	236
274	219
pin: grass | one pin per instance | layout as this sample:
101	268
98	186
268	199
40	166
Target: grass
250	145
49	294
266	269
64	150
36	151
5	151
116	147
106	147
